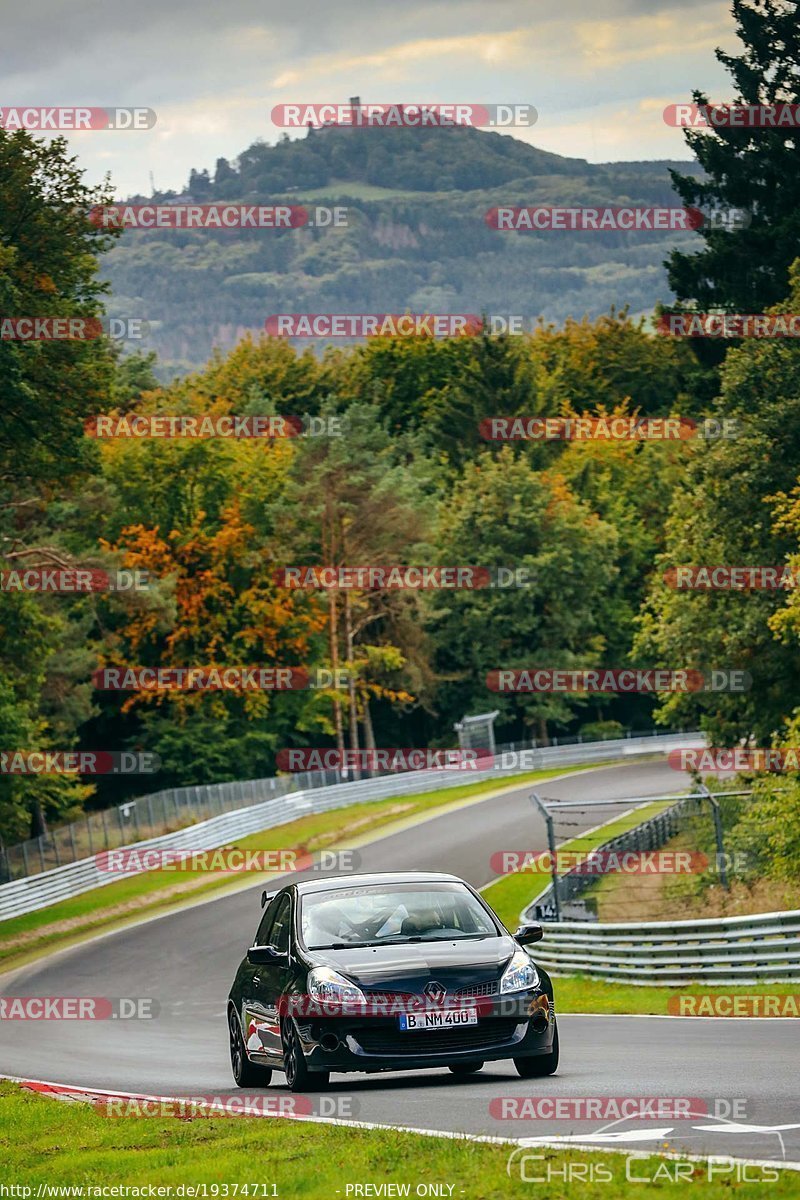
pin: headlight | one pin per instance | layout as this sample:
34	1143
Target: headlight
519	974
329	987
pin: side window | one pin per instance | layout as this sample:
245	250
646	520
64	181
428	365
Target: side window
266	921
279	933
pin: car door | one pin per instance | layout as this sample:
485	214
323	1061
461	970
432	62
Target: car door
256	1022
270	979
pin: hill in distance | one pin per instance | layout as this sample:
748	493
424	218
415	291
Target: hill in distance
416	238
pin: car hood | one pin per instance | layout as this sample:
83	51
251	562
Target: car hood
409	966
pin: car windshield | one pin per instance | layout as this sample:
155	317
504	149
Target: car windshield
380	914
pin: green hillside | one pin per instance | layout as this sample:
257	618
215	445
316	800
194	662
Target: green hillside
416	238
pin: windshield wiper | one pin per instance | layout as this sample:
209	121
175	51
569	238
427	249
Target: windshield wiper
358	945
404	941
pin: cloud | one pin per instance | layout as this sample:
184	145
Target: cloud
213	71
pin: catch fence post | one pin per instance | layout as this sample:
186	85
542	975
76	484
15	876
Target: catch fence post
715	809
551	842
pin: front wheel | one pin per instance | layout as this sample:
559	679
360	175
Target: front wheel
245	1073
298	1076
534	1067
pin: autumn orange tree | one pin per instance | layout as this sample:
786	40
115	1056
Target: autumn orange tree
199	515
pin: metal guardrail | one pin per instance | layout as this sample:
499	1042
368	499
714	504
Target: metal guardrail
71	879
764	948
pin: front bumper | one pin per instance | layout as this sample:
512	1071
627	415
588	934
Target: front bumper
509	1027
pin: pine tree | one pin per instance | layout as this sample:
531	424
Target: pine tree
753	169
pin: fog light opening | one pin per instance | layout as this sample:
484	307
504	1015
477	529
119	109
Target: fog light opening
329	1042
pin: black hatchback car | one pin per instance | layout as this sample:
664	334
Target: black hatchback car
387	972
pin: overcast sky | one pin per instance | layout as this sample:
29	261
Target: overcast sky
599	73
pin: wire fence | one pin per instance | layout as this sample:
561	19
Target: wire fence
670	852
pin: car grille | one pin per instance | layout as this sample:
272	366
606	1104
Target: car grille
393	997
473	990
480	989
385	1040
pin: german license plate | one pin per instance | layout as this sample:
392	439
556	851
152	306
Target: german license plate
438	1018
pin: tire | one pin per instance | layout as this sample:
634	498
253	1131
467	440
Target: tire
465	1068
245	1073
298	1076
535	1066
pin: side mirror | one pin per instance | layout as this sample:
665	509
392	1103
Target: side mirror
266	954
526	935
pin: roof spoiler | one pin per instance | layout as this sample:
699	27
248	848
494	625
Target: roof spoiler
266	897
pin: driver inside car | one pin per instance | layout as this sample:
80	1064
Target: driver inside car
422	921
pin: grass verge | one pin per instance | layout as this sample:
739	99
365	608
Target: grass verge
658	897
74	1146
69	921
578	994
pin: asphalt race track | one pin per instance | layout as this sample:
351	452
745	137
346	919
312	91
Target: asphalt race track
186	961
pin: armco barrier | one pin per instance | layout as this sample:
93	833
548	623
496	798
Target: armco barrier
764	948
37	891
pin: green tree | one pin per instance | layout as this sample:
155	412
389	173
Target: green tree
503	513
753	169
728	513
358	500
48	268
